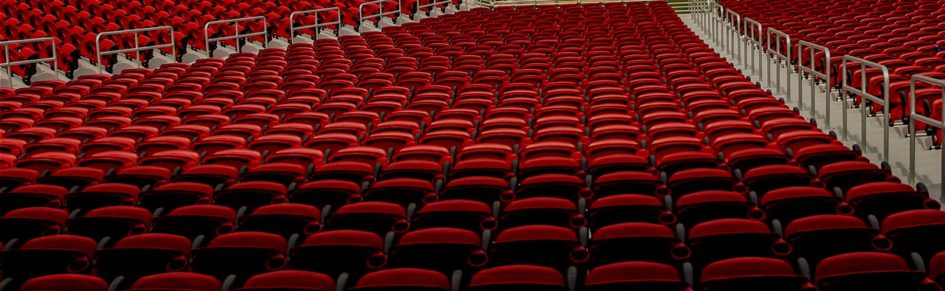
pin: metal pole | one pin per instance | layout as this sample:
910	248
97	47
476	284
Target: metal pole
886	118
237	34
265	32
829	87
912	132
814	74
137	52
863	111
753	37
746	42
206	39
928	121
727	32
768	55
785	57
317	26
98	52
865	95
6	53
236	26
173	44
735	21
800	78
843	96
55	61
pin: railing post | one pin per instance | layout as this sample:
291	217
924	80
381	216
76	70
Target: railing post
98	53
754	33
236	27
814	74
734	20
317	26
928	121
8	64
56	59
717	28
785	57
706	7
866	96
172	44
434	3
380	15
6	57
137	45
237	35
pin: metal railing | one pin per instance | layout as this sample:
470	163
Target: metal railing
317	26
774	46
695	11
928	121
865	95
732	26
708	9
705	13
681	6
753	34
814	74
137	49
692	10
432	5
484	3
522	3
237	34
717	16
8	64
380	12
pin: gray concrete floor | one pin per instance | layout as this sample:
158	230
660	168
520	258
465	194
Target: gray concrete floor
928	161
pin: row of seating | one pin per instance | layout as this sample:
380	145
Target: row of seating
602	146
541	235
894	273
44	18
906	37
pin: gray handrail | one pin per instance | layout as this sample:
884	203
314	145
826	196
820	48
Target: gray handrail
774	45
380	13
690	5
692	12
734	27
485	3
293	28
754	33
710	18
862	92
518	3
8	63
434	3
814	74
237	34
718	13
137	48
915	117
704	7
